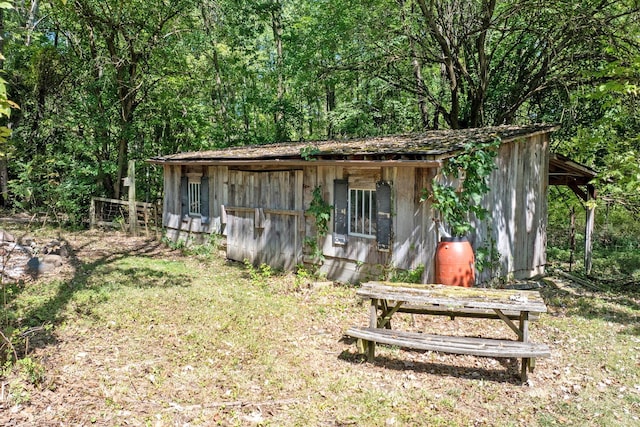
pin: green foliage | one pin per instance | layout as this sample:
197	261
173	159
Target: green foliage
487	257
321	212
31	370
314	249
471	169
304	276
187	75
201	250
179	244
407	276
53	186
259	275
308	151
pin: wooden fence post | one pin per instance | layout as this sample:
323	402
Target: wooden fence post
92	214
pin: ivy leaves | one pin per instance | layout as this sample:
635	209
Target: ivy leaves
470	169
321	211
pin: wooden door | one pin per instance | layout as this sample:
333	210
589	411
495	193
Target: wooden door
265	218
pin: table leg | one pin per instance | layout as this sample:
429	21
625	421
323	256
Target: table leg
373	323
524	337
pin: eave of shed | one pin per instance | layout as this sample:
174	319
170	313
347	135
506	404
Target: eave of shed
426	148
564	171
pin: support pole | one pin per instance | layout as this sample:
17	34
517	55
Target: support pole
588	232
133	214
572	237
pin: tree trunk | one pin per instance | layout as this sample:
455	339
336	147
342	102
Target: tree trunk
31	20
417	71
279	116
218	90
4	172
330	90
463	56
4	179
127	78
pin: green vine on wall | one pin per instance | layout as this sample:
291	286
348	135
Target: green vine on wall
471	169
321	211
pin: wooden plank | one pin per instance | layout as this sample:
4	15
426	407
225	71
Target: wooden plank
453	296
92	213
484	347
373	322
533	205
405	238
171	193
122	202
540	258
364	179
350	271
325	177
453	312
262	225
280	163
131	178
266	211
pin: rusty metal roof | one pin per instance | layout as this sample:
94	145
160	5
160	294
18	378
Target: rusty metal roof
432	145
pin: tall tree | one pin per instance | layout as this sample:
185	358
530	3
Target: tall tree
489	58
124	36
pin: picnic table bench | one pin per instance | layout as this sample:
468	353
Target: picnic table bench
515	307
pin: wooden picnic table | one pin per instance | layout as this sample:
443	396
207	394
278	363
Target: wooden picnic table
515	307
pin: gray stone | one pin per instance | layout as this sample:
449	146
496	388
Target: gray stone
6	236
27	241
55	260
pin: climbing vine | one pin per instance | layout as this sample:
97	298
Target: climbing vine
470	170
321	211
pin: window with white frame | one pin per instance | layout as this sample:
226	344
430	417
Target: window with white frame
194	193
194	198
362	212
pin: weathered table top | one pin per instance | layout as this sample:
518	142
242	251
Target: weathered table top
454	296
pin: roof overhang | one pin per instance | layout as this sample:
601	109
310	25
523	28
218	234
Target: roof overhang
564	171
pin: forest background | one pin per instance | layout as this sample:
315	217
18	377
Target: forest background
88	85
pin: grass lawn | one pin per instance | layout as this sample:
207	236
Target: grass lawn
133	333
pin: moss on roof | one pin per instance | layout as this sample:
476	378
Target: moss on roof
428	145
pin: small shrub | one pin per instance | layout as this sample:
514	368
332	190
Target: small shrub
259	275
18	393
407	276
31	371
174	245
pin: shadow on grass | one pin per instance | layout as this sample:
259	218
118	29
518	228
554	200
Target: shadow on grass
509	372
85	276
611	306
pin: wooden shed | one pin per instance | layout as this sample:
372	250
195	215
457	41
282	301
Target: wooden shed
257	198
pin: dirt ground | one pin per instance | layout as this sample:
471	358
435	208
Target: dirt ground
71	385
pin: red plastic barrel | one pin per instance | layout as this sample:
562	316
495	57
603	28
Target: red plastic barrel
455	262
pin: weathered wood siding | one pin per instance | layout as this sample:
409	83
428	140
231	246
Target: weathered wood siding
179	228
359	258
265	220
261	212
413	235
518	206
